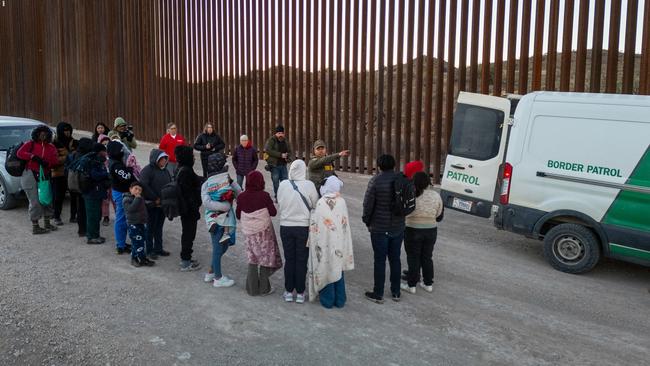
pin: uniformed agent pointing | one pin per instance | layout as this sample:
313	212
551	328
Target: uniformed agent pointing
321	165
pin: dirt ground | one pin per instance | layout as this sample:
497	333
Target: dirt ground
495	302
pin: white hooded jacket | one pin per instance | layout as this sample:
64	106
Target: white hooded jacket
293	211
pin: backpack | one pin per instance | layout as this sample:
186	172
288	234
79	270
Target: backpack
404	196
78	176
169	200
14	165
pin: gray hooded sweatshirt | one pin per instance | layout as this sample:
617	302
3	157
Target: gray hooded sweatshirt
152	177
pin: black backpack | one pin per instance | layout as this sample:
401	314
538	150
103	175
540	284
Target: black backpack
404	196
79	176
15	166
169	201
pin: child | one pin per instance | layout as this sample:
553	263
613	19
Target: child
104	140
220	190
218	179
136	218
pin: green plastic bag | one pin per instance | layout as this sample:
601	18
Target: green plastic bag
44	190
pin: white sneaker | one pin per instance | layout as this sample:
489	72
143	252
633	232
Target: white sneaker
425	287
209	277
406	288
223	282
288	296
300	298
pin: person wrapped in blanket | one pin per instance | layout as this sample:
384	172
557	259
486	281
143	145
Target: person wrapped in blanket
219	188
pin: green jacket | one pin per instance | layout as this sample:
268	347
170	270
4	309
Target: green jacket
321	168
274	157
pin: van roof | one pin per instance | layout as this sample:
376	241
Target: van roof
592	98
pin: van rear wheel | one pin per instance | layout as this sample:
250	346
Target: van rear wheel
571	248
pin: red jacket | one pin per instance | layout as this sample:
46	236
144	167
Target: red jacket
44	150
169	143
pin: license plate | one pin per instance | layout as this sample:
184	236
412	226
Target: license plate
462	204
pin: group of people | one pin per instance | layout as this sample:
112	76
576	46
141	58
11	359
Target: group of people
315	229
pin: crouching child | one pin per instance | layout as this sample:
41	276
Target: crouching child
136	219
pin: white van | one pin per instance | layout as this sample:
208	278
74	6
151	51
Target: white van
571	169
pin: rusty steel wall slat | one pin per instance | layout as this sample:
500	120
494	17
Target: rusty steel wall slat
380	83
296	123
322	95
398	88
337	143
346	121
612	51
473	79
581	52
237	87
451	94
438	145
487	42
369	129
355	84
243	76
552	45
644	79
567	37
301	72
408	106
225	88
271	69
234	100
361	121
194	109
279	65
389	82
428	96
287	70
512	46
267	74
308	115
330	83
418	84
462	56
525	41
538	44
498	48
630	43
313	127
597	47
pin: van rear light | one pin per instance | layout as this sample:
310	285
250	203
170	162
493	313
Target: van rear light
505	184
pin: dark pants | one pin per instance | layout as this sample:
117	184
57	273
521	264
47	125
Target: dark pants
93	215
74	205
155	230
387	245
138	235
296	253
59	186
188	224
204	166
418	244
81	214
333	294
278	174
257	280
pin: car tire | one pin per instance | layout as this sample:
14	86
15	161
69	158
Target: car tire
7	200
572	248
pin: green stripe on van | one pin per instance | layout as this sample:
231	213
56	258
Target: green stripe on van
629	252
631	209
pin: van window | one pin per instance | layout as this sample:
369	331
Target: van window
476	133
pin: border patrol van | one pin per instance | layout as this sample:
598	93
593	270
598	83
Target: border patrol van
571	169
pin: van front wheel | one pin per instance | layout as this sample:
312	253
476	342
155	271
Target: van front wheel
571	248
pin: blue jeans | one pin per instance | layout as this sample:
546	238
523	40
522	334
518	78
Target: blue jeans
333	294
155	230
218	250
240	181
387	245
138	235
120	226
278	174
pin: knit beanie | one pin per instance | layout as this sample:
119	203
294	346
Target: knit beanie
216	163
413	167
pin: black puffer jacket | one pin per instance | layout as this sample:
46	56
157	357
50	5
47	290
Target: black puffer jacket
377	213
215	141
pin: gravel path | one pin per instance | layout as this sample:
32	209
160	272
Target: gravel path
495	302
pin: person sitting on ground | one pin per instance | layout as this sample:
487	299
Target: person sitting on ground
421	233
321	165
330	246
297	196
217	179
189	187
255	209
136	218
153	178
244	159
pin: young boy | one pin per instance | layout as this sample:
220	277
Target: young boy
136	218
